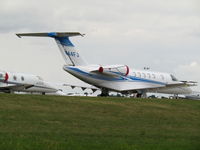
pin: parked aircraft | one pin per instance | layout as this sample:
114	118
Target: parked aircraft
119	78
193	95
20	82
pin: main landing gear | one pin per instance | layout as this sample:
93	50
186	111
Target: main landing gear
141	94
104	92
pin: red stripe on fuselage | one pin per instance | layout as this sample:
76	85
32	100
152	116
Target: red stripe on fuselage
6	77
127	72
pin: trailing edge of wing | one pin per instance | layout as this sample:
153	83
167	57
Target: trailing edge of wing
51	34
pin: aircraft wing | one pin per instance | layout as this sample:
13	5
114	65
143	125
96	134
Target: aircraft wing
130	86
133	86
15	87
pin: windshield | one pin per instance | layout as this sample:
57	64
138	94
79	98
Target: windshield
40	78
173	78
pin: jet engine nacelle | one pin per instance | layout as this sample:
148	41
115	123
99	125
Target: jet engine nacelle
4	76
115	69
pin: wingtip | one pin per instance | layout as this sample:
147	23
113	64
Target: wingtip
18	35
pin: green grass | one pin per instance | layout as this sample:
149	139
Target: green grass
33	122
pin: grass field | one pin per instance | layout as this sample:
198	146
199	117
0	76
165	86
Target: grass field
33	122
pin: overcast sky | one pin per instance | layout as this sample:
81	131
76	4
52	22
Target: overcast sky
161	34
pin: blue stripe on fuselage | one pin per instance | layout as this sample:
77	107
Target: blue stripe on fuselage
121	78
145	80
96	76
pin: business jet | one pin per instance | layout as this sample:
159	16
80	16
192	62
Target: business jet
194	95
19	82
119	78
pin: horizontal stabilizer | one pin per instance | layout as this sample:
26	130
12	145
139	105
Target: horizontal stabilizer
51	34
69	53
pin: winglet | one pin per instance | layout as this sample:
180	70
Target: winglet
18	35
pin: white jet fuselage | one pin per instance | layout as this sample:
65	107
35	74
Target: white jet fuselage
134	81
10	82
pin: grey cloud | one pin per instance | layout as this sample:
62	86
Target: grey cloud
157	33
33	14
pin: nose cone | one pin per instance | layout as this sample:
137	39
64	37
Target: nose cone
50	88
53	89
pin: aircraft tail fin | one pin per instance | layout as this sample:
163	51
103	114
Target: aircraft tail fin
67	49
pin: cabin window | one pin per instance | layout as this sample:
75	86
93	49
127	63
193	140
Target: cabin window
22	78
162	77
138	74
148	75
1	75
14	77
134	74
154	76
173	78
143	75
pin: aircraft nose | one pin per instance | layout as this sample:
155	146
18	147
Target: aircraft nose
51	88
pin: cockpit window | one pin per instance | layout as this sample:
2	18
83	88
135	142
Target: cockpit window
173	78
15	78
39	78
